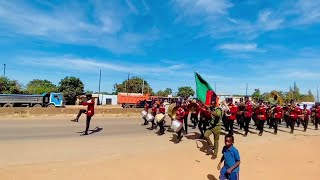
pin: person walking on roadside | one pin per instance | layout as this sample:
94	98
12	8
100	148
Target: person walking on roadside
89	112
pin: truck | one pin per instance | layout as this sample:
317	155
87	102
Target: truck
49	100
131	100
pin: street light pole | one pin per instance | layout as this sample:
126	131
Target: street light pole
4	70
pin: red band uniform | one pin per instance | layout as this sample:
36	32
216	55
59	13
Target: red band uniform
305	113
276	117
294	114
194	116
154	113
233	111
247	116
185	107
180	117
262	117
317	116
205	116
162	110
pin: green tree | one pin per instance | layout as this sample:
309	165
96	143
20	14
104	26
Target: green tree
165	93
38	86
265	96
185	91
133	85
8	86
71	87
256	94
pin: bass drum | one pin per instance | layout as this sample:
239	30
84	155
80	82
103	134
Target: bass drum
144	113
149	117
176	125
160	117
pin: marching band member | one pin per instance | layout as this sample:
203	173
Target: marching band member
262	116
313	114
89	112
277	115
185	107
286	116
146	108
247	114
180	117
225	117
215	128
294	112
154	113
305	117
204	118
317	115
233	111
240	114
194	115
162	110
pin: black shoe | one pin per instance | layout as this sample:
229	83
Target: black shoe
214	157
74	120
84	134
260	134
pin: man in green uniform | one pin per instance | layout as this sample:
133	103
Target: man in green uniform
215	128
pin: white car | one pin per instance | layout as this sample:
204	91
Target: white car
309	104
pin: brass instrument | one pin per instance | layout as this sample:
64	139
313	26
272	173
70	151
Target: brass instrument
289	111
192	107
172	111
225	108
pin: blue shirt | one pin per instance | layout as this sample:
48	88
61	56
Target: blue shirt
231	157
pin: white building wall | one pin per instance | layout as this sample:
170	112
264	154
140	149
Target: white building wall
103	99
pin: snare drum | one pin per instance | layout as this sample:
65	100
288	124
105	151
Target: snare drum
144	113
149	117
176	125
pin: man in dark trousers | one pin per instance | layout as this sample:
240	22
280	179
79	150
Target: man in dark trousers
89	112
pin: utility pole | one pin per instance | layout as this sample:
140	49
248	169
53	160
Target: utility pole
142	85
128	85
246	89
99	81
4	70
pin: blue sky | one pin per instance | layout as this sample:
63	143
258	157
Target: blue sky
267	44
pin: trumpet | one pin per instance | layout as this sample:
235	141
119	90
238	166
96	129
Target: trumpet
225	108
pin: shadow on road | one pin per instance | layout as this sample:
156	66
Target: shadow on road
211	177
97	129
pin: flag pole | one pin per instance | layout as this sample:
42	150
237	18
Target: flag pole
195	80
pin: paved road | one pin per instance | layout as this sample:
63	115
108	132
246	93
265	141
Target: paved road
64	128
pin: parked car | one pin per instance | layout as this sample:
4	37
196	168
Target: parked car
309	104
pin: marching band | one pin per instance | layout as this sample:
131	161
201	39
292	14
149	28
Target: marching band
242	113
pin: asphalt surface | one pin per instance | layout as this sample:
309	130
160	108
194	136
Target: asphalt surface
64	128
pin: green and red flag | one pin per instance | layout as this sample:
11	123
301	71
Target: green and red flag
205	93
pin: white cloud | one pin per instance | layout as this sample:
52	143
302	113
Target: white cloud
209	7
308	12
76	63
69	23
132	7
218	23
246	47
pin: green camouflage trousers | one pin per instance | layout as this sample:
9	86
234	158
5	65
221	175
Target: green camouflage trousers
216	133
